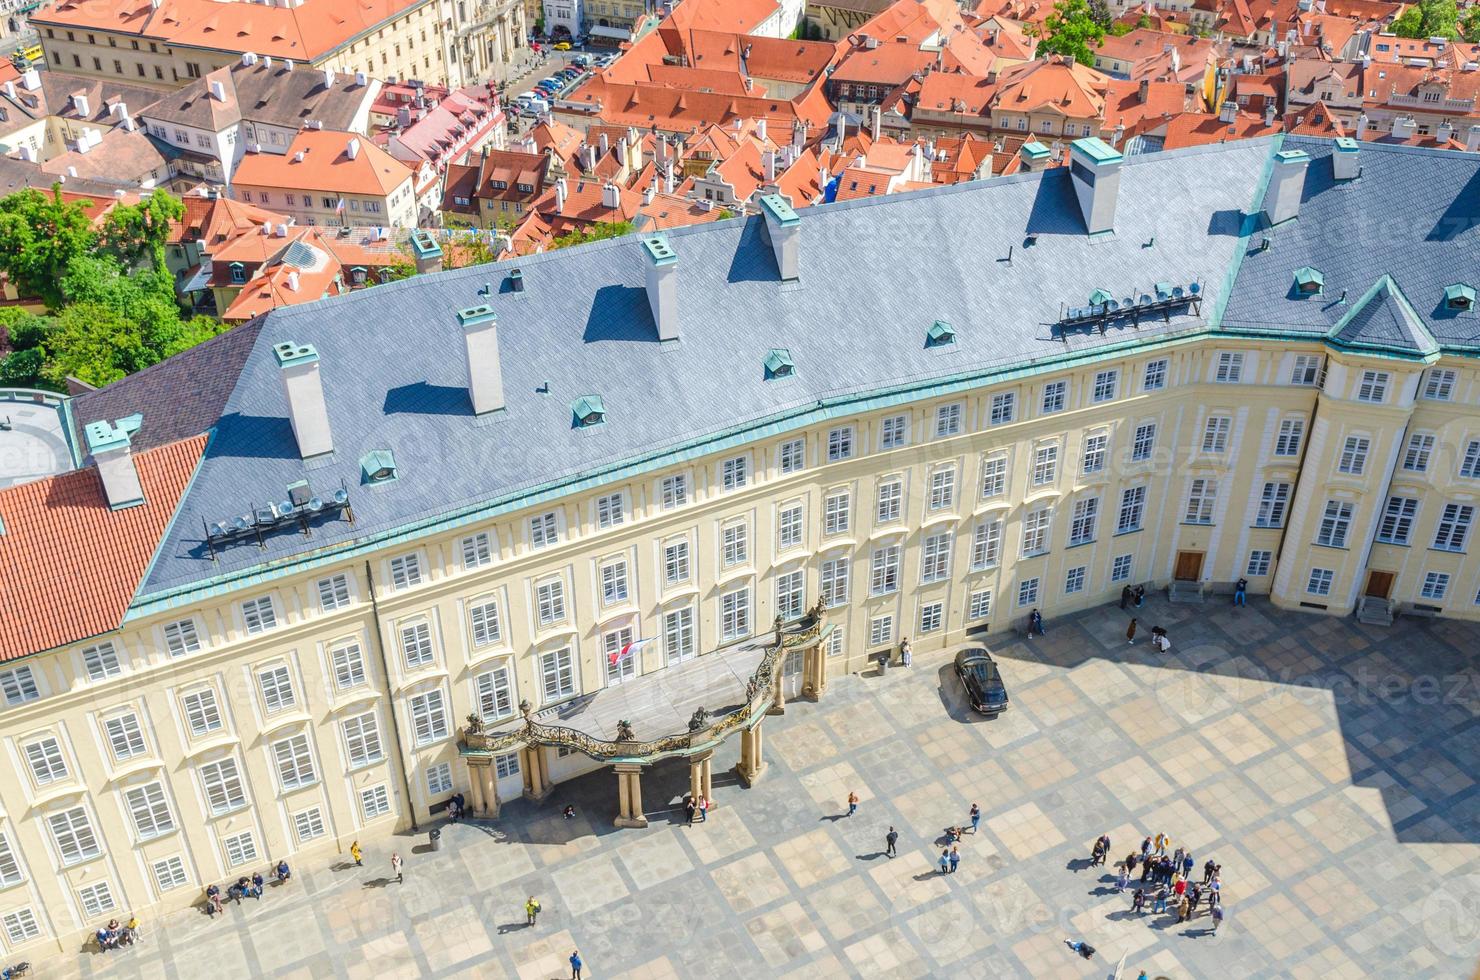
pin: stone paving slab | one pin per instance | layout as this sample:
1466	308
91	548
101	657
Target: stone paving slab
1327	765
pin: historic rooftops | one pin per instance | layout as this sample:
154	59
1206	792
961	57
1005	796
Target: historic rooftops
264	91
327	161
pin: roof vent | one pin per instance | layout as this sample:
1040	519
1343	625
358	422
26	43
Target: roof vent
378	466
1286	185
307	410
1459	297
586	411
1309	282
218	90
1094	166
485	376
662	285
784	229
109	444
516	281
779	364
940	334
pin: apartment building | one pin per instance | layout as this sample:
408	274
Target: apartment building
495	482
329	178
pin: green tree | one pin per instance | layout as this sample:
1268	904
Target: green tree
40	236
96	344
137	232
1469	25
1071	29
599	231
22	369
1429	18
400	269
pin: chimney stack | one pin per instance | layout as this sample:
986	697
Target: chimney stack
1094	167
307	410
1404	127
560	193
1286	184
603	143
1362	123
1228	112
662	285
1472	139
784	229
1344	159
1034	156
80	103
426	252
760	129
293	280
109	444
622	152
485	376
1269	114
352	149
1445	132
877	123
328	78
768	165
218	90
611	196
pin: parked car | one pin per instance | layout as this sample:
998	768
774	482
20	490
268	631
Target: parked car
562	45
982	681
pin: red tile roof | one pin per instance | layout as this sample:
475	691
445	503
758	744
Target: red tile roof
71	564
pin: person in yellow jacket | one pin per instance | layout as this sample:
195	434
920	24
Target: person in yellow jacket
354	852
531	910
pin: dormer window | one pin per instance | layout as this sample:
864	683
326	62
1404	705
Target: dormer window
238	272
940	334
779	364
1459	297
587	411
378	466
1309	282
357	276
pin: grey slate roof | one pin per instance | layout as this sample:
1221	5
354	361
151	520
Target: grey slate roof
1383	318
1413	214
875	275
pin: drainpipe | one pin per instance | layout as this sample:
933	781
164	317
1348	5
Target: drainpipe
1359	586
1310	432
385	669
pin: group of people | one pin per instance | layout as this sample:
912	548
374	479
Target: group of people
950	855
1166	879
697	808
245	887
1159	640
456	808
115	936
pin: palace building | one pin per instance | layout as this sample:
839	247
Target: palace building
484	530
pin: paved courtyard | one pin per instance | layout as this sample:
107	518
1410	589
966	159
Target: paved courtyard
1327	766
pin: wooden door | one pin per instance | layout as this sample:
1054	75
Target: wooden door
1189	566
1379	584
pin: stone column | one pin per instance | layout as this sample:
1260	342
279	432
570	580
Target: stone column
490	791
814	673
696	778
537	783
475	781
778	703
629	795
752	762
484	786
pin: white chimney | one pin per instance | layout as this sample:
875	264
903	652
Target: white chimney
1362	123
877	123
784	229
1286	184
662	285
298	156
267	61
1033	153
1472	139
611	196
1094	167
248	59
352	150
588	158
760	129
669	181
71	171
622	152
293	280
218	90
109	443
361	78
79	102
602	140
10	90
560	193
28	154
1445	132
307	410
1228	112
1404	127
328	78
768	165
31	80
648	193
1344	159
287	64
1269	114
485	377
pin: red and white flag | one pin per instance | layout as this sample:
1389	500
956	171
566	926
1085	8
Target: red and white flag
626	651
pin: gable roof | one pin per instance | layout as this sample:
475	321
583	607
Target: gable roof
71	564
266	92
1383	319
326	166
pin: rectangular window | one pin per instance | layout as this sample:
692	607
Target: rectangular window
73	834
943	488
793	455
477	550
557	674
1307	370
405	571
240	849
1027	592
201	712
1373	387
836	512
676	561
1045	465
1004	406
543	530
1273	501
614	582
18	685
678	635
1469	467
1074	580
1120	568
931	614
1230	367
259	615
1397	520
948	420
1144	443
21	926
439	779
994	476
1083	520
1288	441
734	544
550	601
362	739
735	473
1093	460
277	688
150	812
890	502
223	786
45	759
1454	527
294	761
181	638
96	899
416	644
834	582
374	802
1055	393
1155	377
487	629
986	545
610	510
429	716
896	431
1320	581
333	592
789	595
734	614
1354	455
1035	531
789	532
495	694
101	661
1132	510
1438	384
1420	450
124	736
1215	434
170	874
880	631
675	491
1435	586
309	824
1259	563
935	557
1200	499
1336	523
884	570
1106	383
840	443
980	605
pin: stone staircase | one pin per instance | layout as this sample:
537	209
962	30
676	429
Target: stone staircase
1185	592
1374	611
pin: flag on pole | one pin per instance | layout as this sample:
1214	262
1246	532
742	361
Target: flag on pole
626	651
339	208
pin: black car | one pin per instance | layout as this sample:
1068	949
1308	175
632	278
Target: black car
982	681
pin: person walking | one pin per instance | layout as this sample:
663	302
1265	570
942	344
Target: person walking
703	808
1145	848
976	818
955	858
354	852
1126	595
1217	917
1035	623
1130	862
575	964
890	839
531	911
1208	867
396	868
1184	909
945	861
1187	865
1121	880
1130	632
852	804
1241	592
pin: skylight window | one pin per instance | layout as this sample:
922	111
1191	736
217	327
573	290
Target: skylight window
1309	282
779	364
378	466
940	334
586	411
1459	297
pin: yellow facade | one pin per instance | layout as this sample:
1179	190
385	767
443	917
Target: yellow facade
931	511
